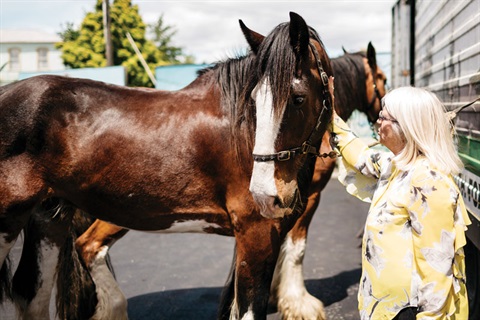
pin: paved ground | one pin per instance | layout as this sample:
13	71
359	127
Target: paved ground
180	276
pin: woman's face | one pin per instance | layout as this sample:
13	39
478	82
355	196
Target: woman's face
388	137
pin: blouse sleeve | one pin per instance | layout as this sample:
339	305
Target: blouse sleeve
360	166
438	229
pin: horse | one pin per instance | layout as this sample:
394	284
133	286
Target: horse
233	153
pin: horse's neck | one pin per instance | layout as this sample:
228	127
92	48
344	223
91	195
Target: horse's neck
350	88
343	106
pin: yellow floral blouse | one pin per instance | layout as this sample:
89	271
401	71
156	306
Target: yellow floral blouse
412	252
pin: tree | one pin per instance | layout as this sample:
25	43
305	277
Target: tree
86	47
162	35
69	32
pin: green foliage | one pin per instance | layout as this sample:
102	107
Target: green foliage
86	47
69	33
162	37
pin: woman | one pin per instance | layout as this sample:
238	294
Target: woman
412	250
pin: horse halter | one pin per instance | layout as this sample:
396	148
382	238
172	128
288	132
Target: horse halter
306	147
376	95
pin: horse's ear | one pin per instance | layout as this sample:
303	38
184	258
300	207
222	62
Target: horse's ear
253	38
344	50
371	56
299	35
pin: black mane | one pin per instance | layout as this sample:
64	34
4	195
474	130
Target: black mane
350	81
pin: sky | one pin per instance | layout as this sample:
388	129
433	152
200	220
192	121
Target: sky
209	30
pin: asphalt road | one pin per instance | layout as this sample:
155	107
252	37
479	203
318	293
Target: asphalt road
180	276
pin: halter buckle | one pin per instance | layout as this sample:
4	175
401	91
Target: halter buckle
284	155
306	148
324	77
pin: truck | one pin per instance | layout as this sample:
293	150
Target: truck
436	45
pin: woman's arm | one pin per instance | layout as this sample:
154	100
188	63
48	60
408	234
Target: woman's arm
359	167
354	151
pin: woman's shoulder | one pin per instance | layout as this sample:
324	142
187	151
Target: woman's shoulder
424	171
426	177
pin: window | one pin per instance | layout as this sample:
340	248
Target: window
14	59
42	58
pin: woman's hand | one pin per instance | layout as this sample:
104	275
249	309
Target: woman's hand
331	89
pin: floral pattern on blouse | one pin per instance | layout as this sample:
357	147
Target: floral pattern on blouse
412	252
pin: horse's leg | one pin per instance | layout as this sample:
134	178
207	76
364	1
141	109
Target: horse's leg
34	278
228	293
93	247
288	292
20	190
257	246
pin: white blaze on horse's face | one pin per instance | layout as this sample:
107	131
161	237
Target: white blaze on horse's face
262	184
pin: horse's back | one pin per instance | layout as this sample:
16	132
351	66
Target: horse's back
29	107
19	108
29	98
26	108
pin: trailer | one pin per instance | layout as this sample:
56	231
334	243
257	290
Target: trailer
436	45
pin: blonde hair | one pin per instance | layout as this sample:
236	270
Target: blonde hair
425	128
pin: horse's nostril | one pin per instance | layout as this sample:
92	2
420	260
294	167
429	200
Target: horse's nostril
277	202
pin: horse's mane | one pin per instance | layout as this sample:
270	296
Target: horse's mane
231	77
350	81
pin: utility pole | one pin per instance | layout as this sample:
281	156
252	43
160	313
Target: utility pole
107	33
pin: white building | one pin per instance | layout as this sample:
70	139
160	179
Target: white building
27	51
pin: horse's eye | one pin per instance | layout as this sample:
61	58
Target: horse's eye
298	100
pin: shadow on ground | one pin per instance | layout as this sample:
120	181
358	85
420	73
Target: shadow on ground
202	303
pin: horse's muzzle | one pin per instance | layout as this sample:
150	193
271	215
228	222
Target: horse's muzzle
275	198
272	207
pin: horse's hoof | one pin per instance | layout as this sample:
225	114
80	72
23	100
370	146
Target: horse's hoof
306	307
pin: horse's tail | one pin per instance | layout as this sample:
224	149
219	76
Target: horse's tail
5	281
57	223
76	291
76	295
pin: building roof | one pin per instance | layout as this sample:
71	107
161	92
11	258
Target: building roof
27	36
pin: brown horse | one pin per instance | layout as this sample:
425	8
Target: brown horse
156	160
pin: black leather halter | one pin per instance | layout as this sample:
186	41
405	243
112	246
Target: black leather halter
376	95
307	147
371	121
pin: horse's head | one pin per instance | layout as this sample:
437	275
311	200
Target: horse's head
376	84
293	109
